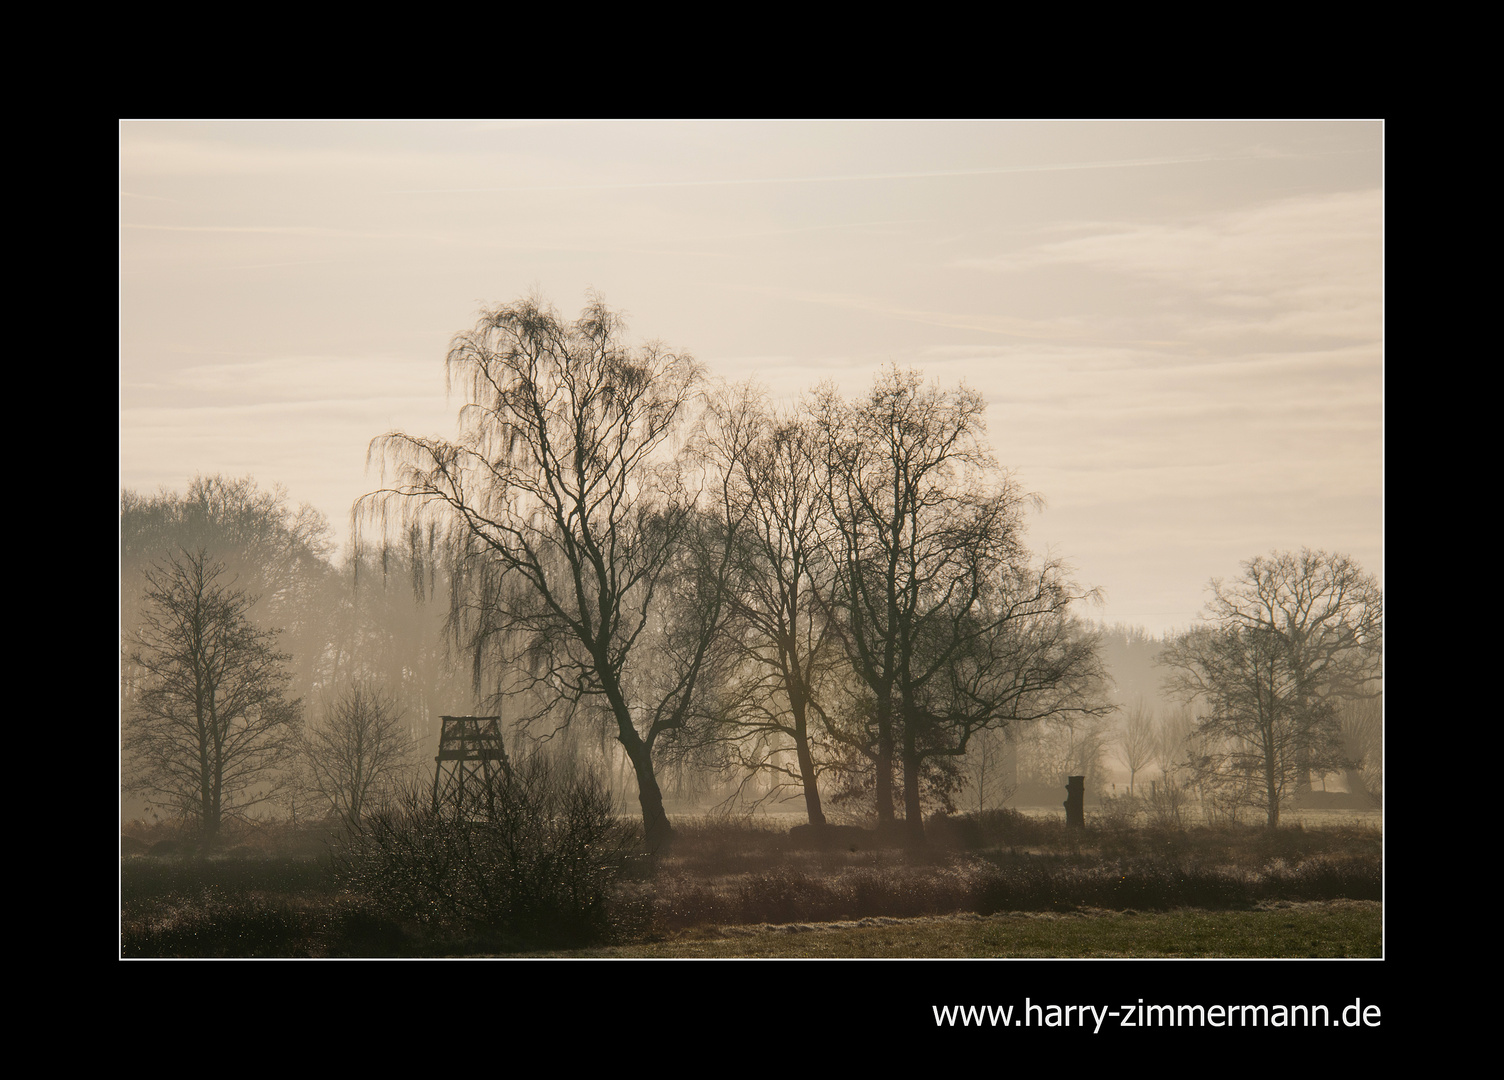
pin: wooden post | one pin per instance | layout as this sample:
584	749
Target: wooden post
1075	802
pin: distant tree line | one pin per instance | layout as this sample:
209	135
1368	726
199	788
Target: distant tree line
256	674
831	597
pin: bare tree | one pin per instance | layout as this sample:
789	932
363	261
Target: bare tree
1289	640
773	486
566	511
1252	740
360	753
1136	744
948	627
208	731
1324	614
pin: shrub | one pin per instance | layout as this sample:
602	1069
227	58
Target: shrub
947	831
1166	798
539	867
214	926
1007	828
785	895
1117	813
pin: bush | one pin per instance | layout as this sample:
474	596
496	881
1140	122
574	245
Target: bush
1117	813
539	867
1008	828
1165	802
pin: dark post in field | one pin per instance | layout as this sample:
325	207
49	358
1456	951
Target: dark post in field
1075	802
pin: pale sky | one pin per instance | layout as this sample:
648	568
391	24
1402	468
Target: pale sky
1178	327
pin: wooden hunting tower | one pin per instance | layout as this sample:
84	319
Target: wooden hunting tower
470	761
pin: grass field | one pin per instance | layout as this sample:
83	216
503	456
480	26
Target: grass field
1000	885
1338	928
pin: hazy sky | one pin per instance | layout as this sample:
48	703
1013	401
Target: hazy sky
1178	327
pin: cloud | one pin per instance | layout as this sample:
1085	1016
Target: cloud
1005	325
1306	266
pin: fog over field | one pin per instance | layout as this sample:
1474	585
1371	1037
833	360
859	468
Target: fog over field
732	539
1177	327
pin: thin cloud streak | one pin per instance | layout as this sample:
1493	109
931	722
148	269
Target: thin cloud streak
279	265
318	231
925	174
1001	325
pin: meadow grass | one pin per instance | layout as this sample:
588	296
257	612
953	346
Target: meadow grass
996	884
1342	928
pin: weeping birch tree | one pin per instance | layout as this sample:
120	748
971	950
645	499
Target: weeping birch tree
564	500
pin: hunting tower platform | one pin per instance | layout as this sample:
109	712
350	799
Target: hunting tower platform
471	759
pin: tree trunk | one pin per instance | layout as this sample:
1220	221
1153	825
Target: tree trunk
913	813
798	708
657	832
885	815
807	774
1272	794
209	785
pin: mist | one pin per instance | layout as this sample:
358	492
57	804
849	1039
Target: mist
794	513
